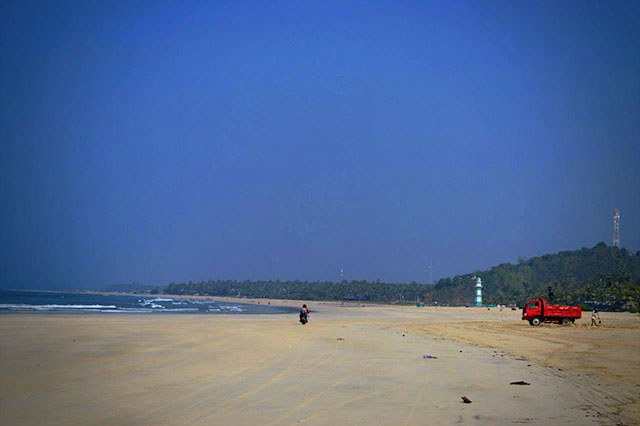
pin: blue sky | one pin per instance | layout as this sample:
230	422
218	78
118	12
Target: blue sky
175	141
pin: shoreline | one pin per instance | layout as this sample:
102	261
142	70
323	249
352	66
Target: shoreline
246	300
72	302
288	303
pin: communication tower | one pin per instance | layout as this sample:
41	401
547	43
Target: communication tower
616	228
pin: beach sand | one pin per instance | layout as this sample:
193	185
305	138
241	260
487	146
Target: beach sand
349	365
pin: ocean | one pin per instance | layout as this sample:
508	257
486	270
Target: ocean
36	301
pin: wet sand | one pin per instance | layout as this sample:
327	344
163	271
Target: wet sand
349	365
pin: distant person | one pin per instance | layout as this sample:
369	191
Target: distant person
550	295
304	314
595	316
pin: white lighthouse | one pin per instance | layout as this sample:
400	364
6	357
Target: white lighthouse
478	292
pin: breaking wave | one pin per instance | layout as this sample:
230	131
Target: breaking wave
53	307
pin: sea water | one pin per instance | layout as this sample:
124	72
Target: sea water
38	301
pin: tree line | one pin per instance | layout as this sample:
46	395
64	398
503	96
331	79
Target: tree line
364	291
607	277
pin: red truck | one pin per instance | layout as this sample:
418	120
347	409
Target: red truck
538	311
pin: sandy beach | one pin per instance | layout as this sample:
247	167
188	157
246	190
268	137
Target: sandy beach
349	365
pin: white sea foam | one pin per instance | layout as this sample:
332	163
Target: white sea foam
181	310
154	305
54	307
153	301
231	308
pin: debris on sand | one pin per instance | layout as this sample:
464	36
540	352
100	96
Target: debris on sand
520	382
339	338
427	356
466	400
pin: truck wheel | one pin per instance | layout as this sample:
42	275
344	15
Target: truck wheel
536	321
565	321
530	322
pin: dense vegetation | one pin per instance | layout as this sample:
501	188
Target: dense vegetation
601	275
607	277
303	290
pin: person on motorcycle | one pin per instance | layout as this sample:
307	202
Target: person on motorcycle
304	314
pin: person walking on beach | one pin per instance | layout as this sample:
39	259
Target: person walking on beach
304	314
595	316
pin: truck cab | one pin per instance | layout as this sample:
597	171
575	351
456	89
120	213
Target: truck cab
533	309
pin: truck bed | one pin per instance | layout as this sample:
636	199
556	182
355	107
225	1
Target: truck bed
563	311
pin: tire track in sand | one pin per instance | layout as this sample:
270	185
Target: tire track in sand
252	370
263	386
318	395
290	389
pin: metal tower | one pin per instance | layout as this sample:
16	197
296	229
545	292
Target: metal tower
616	228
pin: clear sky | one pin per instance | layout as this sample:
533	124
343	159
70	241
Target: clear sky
174	141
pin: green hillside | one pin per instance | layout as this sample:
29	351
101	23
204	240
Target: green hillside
606	276
601	274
